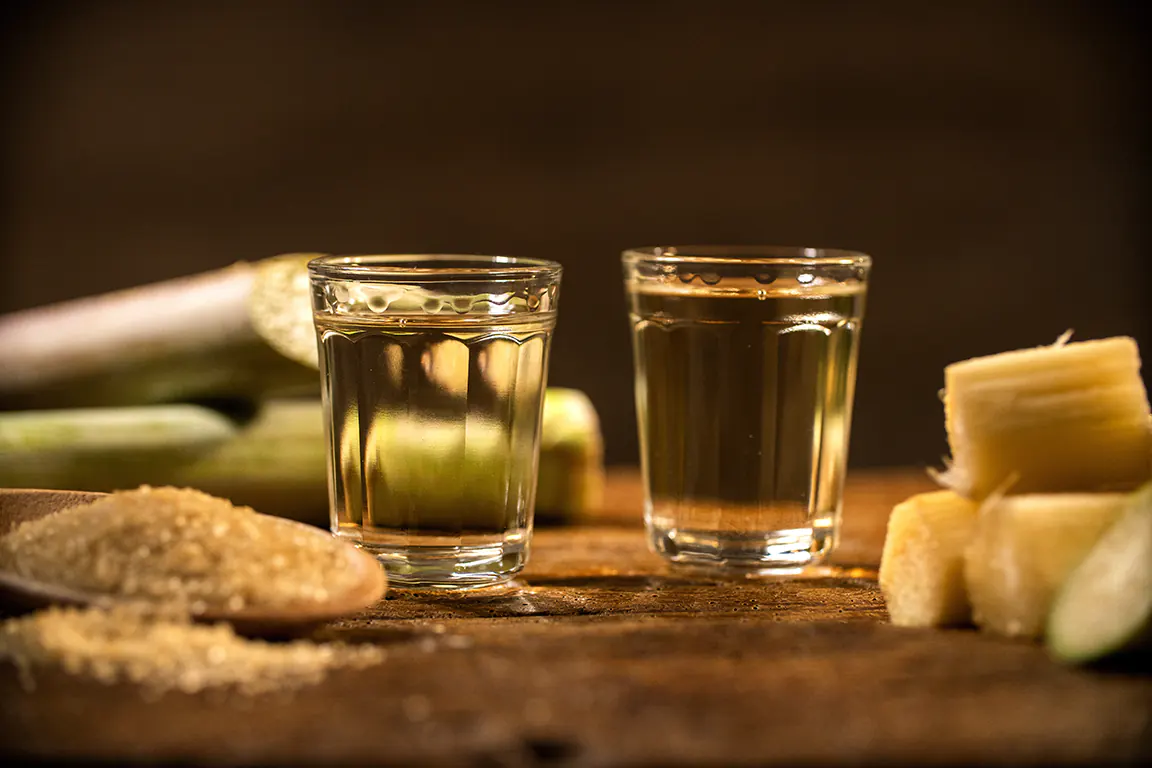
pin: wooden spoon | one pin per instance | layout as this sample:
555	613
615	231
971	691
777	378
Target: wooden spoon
18	593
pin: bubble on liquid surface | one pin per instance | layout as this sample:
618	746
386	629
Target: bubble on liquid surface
710	278
687	277
433	305
805	278
378	302
462	304
765	278
533	301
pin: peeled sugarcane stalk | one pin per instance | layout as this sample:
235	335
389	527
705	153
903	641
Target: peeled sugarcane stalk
274	462
244	331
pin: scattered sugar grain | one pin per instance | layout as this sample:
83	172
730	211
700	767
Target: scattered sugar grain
165	651
178	545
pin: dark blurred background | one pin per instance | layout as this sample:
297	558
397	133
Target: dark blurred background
989	155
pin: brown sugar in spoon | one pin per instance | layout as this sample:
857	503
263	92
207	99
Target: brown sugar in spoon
19	594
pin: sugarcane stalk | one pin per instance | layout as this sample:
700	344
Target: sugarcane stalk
275	463
103	449
442	467
275	460
571	474
244	331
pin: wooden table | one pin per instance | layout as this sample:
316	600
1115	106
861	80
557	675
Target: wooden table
606	658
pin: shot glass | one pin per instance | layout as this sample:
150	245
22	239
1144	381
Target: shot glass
745	366
434	369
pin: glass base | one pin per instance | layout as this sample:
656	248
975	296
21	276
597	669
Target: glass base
449	567
782	552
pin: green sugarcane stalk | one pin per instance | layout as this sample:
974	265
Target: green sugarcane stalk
275	461
102	449
240	332
571	474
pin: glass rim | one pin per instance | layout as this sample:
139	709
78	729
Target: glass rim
747	254
434	266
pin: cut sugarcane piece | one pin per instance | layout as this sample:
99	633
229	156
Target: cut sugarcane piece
922	566
1105	605
239	332
1068	417
1024	547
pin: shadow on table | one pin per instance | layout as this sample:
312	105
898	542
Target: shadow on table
815	593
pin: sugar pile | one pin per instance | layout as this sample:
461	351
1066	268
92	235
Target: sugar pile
171	545
166	651
161	554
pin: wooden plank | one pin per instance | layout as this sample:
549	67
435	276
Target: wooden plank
602	656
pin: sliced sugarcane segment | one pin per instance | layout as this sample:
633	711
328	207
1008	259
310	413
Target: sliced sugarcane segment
1024	547
922	566
280	306
1105	605
1067	417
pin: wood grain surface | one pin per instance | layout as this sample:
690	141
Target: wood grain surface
602	656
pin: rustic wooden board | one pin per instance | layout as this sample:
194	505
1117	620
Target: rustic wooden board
604	657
